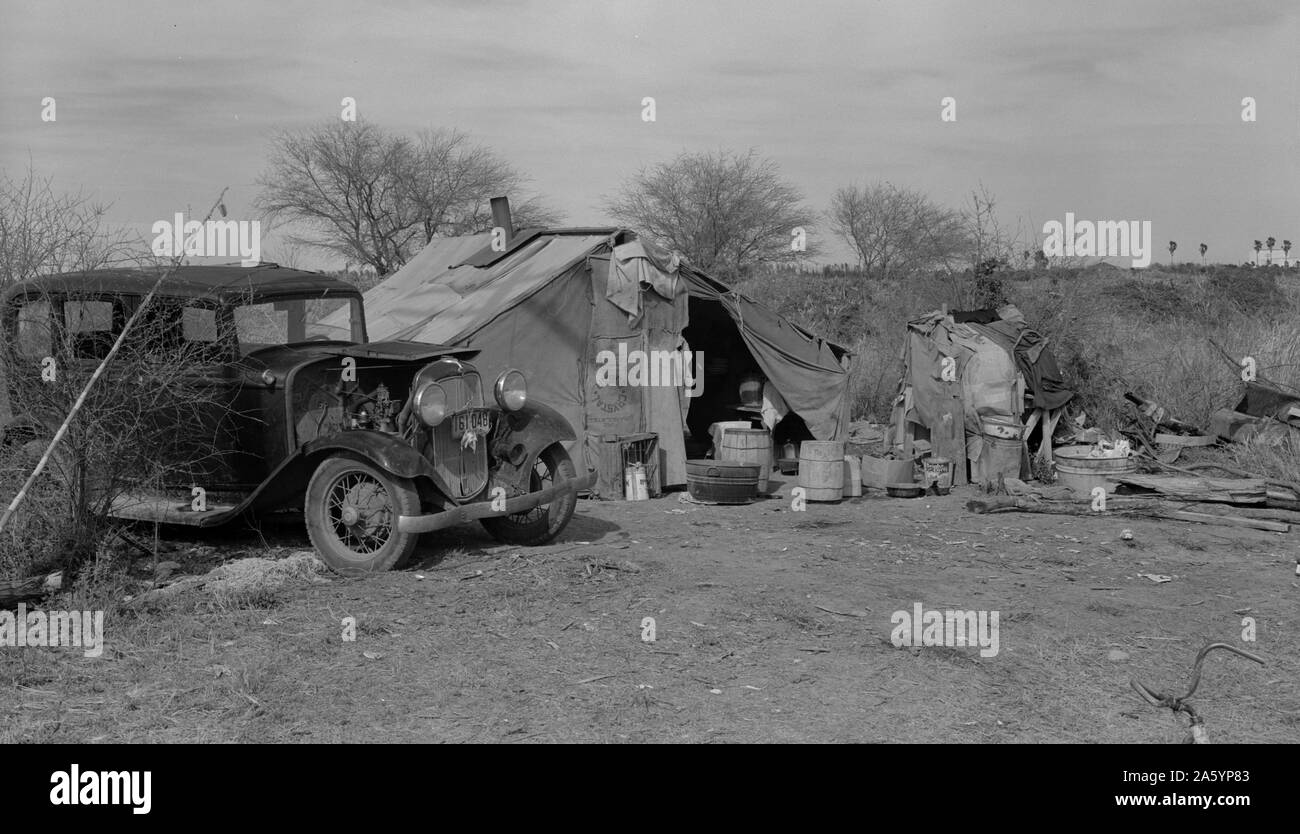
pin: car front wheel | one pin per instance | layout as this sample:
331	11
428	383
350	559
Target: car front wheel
351	513
543	523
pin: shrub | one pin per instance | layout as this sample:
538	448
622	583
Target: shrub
145	413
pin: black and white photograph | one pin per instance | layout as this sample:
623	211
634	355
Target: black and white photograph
552	372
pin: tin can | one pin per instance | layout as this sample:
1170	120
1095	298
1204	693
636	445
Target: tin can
634	483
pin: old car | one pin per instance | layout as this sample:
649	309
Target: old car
377	442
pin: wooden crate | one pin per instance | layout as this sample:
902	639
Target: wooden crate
616	451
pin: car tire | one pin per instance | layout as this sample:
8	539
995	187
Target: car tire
541	524
351	511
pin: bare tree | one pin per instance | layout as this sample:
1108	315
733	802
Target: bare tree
897	232
727	212
342	181
377	198
43	231
989	242
453	181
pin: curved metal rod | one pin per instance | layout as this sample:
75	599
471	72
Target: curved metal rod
1152	698
1200	659
1177	704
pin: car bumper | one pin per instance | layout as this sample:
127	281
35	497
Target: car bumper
483	509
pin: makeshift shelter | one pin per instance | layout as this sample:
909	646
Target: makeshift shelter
560	304
964	368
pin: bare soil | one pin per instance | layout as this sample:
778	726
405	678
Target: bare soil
771	625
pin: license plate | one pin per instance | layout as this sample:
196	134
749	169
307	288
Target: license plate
475	421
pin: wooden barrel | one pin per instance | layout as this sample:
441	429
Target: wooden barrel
749	446
821	469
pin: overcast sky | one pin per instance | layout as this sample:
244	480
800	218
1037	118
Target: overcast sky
1111	110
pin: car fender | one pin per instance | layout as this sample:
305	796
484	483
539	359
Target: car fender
530	429
385	451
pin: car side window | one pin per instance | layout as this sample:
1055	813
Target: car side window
34	339
171	330
202	335
260	325
199	324
91	326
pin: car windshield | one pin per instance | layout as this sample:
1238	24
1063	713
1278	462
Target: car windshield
284	321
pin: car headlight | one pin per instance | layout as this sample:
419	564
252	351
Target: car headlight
511	390
431	403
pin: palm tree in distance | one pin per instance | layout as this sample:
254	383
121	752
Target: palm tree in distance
1286	253
1172	247
1203	249
1271	242
1258	246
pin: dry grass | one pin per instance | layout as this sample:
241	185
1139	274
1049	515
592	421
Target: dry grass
508	644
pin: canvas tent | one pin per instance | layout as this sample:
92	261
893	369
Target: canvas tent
999	367
555	299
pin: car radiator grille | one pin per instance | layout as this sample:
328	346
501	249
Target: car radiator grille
464	469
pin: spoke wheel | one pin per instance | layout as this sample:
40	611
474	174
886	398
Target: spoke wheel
351	512
546	521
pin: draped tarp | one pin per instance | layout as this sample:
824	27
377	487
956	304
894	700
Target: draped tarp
811	373
997	362
554	299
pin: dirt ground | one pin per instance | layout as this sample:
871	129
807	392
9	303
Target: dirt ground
771	625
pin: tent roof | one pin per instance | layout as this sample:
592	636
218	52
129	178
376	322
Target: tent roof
455	287
441	297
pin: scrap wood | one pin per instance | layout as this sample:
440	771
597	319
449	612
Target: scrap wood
1033	504
842	613
1282	494
1191	469
1185	440
31	589
1161	417
1285	491
1238	427
1155	510
1248	512
1220	490
1231	521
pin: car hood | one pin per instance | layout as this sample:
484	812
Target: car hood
284	357
401	350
